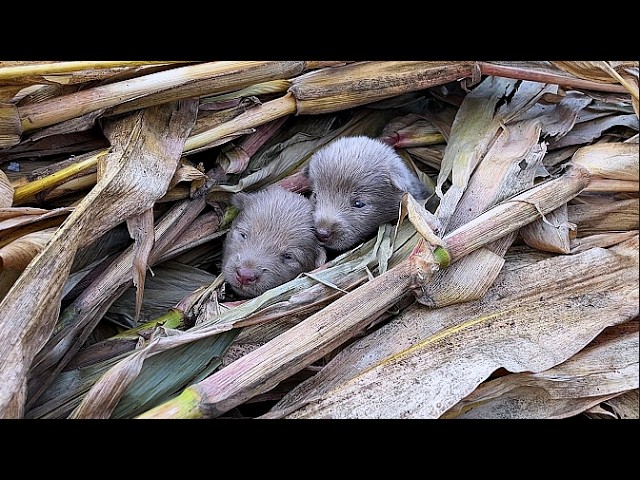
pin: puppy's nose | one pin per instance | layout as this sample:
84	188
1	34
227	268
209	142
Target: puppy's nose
246	276
323	234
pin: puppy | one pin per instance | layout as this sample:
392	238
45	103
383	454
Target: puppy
271	241
357	184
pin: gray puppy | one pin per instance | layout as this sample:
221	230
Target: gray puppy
357	184
270	242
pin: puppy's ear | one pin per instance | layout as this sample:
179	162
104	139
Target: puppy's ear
304	171
406	181
240	200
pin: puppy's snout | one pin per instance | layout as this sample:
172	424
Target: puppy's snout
246	275
323	233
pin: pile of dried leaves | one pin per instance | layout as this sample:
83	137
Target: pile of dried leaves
114	187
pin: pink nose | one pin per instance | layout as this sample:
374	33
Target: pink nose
246	276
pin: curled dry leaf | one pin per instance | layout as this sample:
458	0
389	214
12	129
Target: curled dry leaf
17	254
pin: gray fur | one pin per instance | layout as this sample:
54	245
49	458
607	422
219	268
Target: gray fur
280	241
352	171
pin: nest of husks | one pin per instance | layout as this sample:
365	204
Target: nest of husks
115	187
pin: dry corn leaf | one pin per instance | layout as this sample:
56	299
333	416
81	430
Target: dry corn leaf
624	406
550	233
510	165
10	129
141	230
602	240
15	256
558	118
71	126
472	131
593	214
187	173
428	156
605	368
587	132
616	161
425	361
28	220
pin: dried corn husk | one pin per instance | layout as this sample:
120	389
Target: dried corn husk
33	300
603	369
424	362
337	88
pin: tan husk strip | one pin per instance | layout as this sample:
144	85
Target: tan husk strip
337	88
141	230
10	71
598	216
216	75
244	75
30	220
550	233
253	117
28	192
601	240
542	73
15	256
126	188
